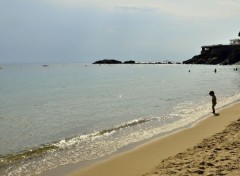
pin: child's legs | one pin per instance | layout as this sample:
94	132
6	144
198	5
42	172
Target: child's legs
213	108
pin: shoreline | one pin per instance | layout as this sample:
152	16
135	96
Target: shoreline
146	157
74	138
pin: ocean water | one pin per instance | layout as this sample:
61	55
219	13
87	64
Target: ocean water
75	113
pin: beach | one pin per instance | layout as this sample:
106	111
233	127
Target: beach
211	147
217	155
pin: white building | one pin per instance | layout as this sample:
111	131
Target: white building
235	42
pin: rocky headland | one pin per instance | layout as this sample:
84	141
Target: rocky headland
217	54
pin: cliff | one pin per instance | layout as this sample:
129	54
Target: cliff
217	54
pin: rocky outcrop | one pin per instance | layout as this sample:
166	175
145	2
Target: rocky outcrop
108	61
217	54
111	61
129	62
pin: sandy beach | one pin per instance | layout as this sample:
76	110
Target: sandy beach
217	155
211	147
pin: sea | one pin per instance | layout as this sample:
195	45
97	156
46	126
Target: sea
58	114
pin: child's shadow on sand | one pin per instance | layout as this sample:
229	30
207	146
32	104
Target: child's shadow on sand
216	114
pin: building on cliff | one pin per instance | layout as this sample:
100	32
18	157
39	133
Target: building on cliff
218	54
235	42
232	42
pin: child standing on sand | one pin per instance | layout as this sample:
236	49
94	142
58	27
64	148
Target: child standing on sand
214	100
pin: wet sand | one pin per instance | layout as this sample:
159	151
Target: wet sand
211	147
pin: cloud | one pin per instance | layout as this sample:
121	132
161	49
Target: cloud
177	8
200	9
135	8
186	9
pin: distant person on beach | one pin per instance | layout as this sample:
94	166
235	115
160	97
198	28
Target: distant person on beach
214	101
215	70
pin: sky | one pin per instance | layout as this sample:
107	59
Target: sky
60	31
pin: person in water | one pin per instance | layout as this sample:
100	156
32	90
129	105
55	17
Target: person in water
214	101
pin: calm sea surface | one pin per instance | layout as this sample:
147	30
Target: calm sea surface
69	113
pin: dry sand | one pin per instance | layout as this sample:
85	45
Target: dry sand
217	155
204	149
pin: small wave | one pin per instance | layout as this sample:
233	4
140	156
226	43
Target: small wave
76	140
79	148
24	155
36	152
126	125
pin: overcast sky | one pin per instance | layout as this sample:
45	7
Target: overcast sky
38	31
